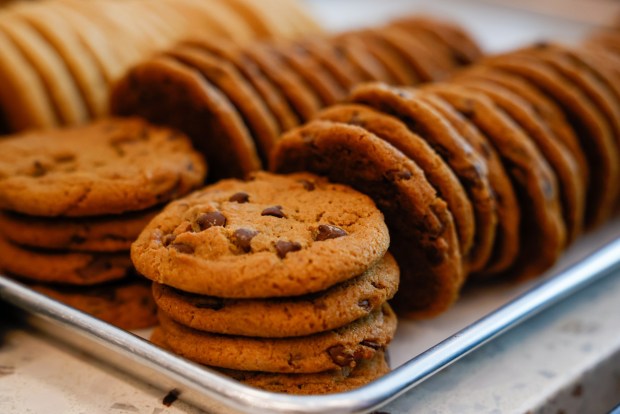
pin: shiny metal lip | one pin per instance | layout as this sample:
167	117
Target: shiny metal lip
214	392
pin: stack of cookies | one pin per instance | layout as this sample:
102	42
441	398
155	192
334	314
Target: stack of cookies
235	101
59	57
279	281
72	202
492	174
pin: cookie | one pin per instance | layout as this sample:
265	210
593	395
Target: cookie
497	223
108	167
71	268
65	96
62	36
421	118
328	382
92	234
390	58
571	184
300	97
543	233
284	317
437	172
126	304
311	71
464	48
271	96
420	222
545	107
242	95
333	60
157	89
271	236
337	349
355	52
592	130
25	102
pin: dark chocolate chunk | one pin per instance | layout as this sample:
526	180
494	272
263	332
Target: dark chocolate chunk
341	356
284	247
327	231
182	248
275	211
171	397
210	219
168	239
240	197
207	302
243	238
308	185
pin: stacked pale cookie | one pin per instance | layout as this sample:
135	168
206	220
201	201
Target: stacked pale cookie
235	101
279	281
59	57
490	175
73	200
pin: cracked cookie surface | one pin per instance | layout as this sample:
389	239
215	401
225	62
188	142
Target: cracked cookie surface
270	236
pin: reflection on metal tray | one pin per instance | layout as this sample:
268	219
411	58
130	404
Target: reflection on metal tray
214	392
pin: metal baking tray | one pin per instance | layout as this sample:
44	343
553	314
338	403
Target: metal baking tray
420	349
591	259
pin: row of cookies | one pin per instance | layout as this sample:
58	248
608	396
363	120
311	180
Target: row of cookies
59	57
235	101
491	174
72	201
279	281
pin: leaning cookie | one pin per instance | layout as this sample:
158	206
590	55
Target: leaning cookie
284	317
270	236
108	167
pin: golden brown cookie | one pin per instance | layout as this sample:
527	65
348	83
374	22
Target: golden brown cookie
127	304
571	184
94	234
419	220
495	207
543	233
327	382
318	79
164	91
594	133
301	98
242	95
421	118
284	317
271	96
266	237
355	52
108	167
415	147
337	349
63	267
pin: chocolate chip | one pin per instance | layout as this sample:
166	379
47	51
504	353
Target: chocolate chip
396	175
284	247
205	302
275	211
371	344
327	231
243	238
210	219
171	397
38	169
341	356
182	248
168	239
240	197
308	185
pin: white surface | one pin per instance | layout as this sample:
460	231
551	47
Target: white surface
566	359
